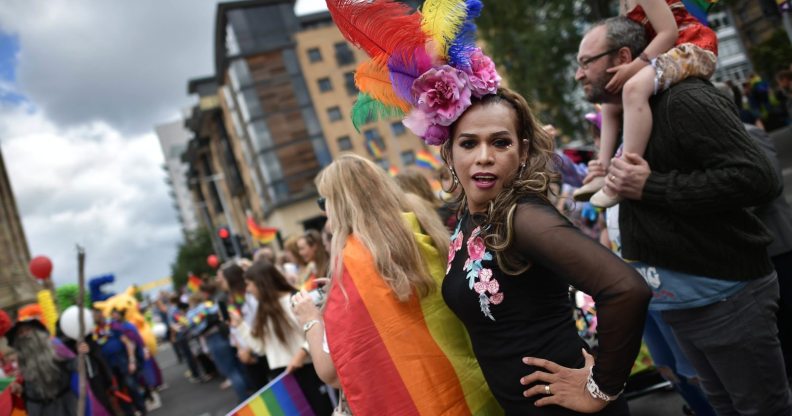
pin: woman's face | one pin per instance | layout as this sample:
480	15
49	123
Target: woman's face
251	288
307	251
485	152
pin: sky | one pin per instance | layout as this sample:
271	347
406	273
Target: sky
82	85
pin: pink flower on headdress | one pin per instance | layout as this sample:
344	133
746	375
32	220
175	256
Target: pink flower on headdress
442	94
482	75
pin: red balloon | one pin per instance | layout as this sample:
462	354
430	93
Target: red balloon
213	261
223	233
41	267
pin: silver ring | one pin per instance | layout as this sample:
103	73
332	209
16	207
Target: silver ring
547	390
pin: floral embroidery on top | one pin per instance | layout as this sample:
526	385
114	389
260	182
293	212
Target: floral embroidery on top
488	289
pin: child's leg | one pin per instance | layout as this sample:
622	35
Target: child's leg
637	114
611	119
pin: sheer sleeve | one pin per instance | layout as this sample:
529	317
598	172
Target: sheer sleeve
544	237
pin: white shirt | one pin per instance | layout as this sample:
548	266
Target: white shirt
278	354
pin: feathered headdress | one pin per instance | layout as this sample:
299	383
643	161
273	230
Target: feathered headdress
425	66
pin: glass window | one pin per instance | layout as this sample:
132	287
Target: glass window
334	113
311	121
249	105
314	55
344	54
239	74
325	84
232	46
374	143
397	128
260	135
408	157
344	143
383	163
349	83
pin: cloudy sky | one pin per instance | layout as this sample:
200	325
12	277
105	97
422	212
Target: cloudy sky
82	84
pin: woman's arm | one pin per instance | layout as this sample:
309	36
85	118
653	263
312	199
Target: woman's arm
307	313
546	238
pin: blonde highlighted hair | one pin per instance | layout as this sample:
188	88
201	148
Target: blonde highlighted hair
364	202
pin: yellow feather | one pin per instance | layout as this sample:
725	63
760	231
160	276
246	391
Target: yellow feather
373	78
442	20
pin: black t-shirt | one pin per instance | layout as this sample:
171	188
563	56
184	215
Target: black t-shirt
531	314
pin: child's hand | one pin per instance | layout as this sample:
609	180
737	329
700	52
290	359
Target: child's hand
621	74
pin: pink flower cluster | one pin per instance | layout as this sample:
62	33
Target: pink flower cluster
443	93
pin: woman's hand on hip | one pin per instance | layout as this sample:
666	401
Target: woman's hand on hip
562	386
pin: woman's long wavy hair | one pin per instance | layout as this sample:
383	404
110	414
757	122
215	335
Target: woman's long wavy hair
321	257
533	179
271	286
364	202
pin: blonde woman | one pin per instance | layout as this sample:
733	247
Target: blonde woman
391	344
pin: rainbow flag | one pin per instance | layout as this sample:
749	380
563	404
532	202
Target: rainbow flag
282	396
263	235
401	358
374	148
426	159
699	9
194	283
393	170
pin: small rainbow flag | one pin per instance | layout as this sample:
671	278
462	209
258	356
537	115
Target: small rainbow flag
263	235
393	170
425	159
374	148
282	396
194	283
699	9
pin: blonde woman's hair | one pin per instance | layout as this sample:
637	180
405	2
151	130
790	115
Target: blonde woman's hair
365	203
415	182
532	179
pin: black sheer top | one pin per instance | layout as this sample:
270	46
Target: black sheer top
511	317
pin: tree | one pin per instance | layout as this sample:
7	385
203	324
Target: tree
536	42
772	55
191	257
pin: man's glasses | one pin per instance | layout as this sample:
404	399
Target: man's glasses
321	202
584	63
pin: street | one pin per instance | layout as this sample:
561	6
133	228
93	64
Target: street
185	399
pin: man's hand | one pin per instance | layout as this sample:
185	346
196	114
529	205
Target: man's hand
627	176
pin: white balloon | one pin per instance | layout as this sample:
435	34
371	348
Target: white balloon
70	321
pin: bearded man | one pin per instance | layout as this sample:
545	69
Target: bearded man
45	384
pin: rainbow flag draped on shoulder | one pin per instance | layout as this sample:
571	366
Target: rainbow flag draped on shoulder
401	358
282	396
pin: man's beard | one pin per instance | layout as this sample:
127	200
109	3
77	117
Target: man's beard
37	363
597	92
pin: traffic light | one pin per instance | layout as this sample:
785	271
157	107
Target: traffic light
226	239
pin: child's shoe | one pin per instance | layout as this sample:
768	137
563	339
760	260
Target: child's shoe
585	192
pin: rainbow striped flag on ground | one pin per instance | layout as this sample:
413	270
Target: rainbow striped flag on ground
263	235
425	159
282	396
401	358
699	9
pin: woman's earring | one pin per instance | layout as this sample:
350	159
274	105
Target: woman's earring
522	169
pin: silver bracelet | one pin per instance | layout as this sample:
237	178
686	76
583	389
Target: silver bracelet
595	391
310	324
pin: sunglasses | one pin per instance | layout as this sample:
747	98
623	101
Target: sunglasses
321	202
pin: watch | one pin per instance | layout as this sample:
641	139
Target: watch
310	324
